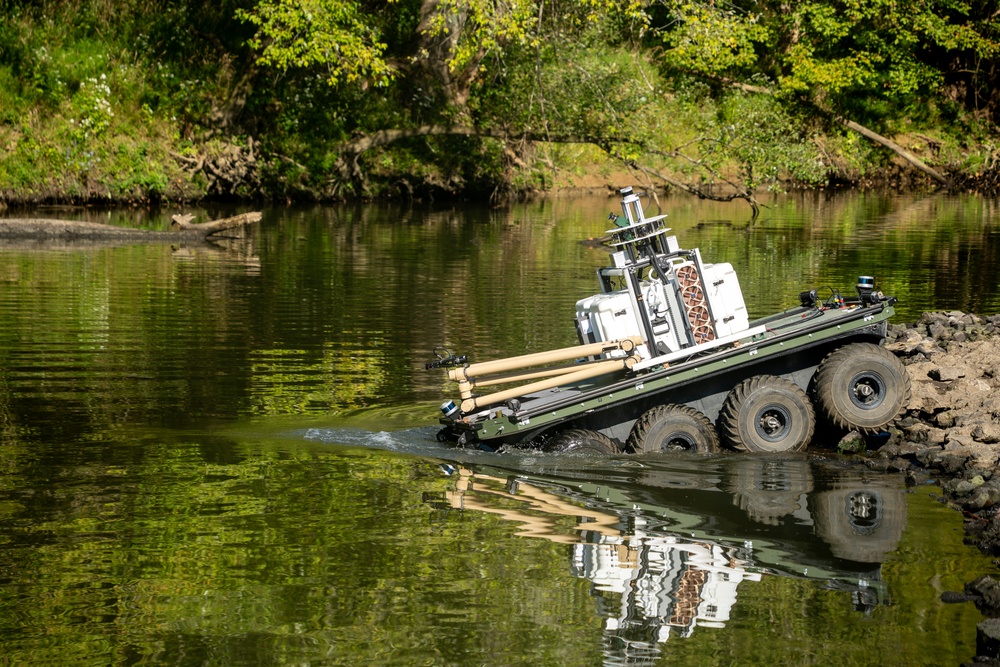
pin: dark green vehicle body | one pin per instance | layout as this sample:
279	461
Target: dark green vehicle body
793	347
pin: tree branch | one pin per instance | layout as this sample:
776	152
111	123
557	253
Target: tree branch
386	137
854	126
183	223
895	148
352	149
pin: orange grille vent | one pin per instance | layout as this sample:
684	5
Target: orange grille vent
694	303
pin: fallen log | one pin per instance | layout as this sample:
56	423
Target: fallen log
912	159
45	229
183	223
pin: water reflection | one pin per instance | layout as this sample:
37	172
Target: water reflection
133	529
667	546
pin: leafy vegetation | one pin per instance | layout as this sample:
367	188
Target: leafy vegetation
314	99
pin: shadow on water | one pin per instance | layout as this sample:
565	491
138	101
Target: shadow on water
667	542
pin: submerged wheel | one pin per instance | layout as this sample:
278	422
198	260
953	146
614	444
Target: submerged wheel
766	413
862	386
862	523
581	440
768	488
668	428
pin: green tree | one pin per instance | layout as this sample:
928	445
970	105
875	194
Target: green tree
335	35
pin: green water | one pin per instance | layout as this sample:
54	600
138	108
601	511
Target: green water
226	456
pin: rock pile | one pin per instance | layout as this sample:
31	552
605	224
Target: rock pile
951	428
952	423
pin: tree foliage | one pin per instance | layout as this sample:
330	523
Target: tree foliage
335	35
712	39
877	47
605	69
353	96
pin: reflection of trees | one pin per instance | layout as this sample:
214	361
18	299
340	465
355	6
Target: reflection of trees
920	248
338	307
269	558
284	381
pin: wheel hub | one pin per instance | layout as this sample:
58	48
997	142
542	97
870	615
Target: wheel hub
867	391
773	423
864	512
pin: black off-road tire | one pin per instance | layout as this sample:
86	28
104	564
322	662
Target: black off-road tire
668	428
767	413
861	387
581	440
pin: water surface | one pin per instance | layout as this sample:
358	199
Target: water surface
226	455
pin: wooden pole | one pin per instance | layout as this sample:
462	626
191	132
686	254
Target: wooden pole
467	373
591	371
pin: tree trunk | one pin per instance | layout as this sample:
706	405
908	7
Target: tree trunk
895	148
436	48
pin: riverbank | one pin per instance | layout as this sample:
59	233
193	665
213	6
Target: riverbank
950	433
238	176
952	422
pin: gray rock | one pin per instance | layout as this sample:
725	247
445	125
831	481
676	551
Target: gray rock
911	448
958	443
928	348
951	462
963	487
939	331
959	487
899	464
986	433
982	497
927	456
988	590
988	638
946	373
936	436
917	432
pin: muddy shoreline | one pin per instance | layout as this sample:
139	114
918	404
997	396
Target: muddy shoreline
950	433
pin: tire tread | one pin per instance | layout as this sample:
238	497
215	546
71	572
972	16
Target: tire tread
824	384
729	425
637	436
570	439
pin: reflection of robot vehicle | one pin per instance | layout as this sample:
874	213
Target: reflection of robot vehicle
665	586
860	522
667	554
